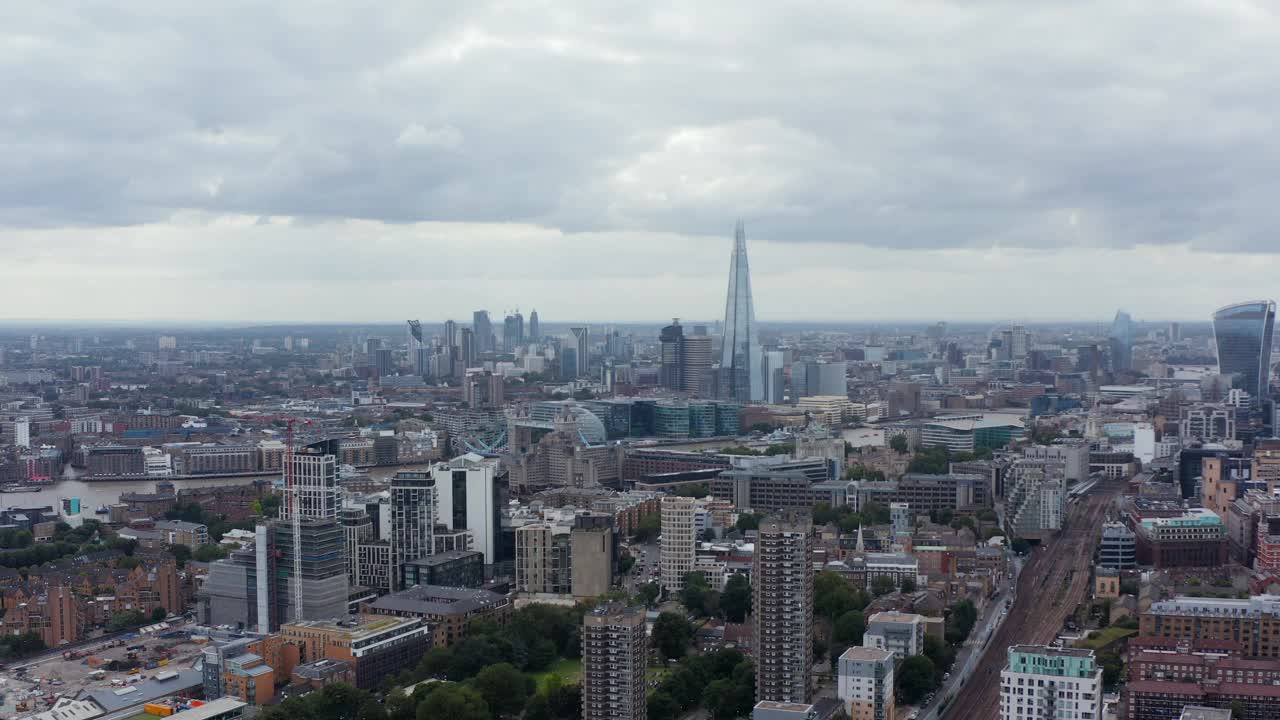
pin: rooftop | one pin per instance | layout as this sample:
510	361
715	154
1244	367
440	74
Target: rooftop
213	708
867	654
1051	651
438	600
145	691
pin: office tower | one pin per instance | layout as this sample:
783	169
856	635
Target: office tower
383	362
1021	342
615	652
483	390
467	347
422	362
865	683
696	361
568	363
1175	331
482	330
450	334
775	379
413	519
782	584
357	528
371	345
512	332
671	348
1242	334
679	540
1046	683
22	432
583	356
741	378
591	555
1120	342
535	329
415	336
467	499
313	478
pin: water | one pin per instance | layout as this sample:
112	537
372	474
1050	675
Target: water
107	492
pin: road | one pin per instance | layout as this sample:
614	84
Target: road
967	659
646	556
1052	583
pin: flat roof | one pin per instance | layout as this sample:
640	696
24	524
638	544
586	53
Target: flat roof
145	691
210	709
867	654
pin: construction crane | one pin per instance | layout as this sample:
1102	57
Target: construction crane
295	514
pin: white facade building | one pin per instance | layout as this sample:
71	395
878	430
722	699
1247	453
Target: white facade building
679	541
466	499
1046	683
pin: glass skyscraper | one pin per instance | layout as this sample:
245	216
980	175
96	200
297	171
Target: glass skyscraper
1242	334
1121	342
742	378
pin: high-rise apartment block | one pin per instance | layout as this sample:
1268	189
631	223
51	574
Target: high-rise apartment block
1047	683
413	518
782	585
679	540
865	683
615	653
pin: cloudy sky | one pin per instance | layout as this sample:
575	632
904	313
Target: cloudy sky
248	161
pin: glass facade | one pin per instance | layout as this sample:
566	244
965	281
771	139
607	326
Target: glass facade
1121	342
1242	335
741	375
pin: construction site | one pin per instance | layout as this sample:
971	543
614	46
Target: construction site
108	666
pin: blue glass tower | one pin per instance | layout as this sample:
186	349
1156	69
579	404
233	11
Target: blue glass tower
1242	334
1121	342
741	376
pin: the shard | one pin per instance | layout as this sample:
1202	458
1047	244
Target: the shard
741	378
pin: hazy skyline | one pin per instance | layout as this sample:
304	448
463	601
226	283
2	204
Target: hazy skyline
243	163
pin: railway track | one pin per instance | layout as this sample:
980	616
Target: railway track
1052	583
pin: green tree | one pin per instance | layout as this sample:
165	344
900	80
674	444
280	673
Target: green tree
663	707
1112	668
159	614
649	527
748	521
648	594
538	708
899	444
908	585
735	601
941	654
626	561
881	585
849	628
672	634
454	702
504	688
916	677
833	596
181	553
126	620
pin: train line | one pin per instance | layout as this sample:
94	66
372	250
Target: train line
1053	582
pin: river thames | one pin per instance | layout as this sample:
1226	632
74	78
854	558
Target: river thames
106	492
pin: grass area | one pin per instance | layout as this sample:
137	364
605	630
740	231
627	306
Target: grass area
570	672
1103	638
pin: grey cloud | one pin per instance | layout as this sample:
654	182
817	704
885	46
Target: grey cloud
907	125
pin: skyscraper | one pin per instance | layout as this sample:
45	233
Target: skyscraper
1242	334
679	541
671	342
450	334
413	518
615	653
415	336
581	340
535	330
483	331
741	376
467	348
467	497
1120	341
782	583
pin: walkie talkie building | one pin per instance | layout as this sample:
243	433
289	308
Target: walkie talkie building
1242	335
